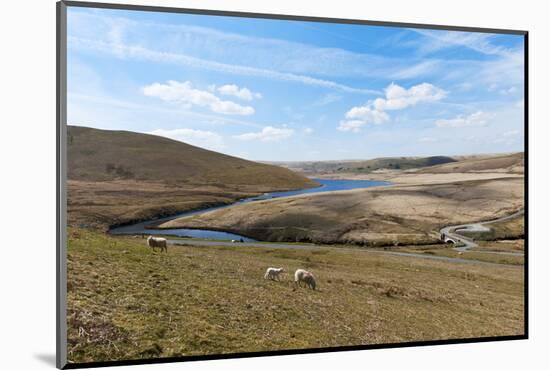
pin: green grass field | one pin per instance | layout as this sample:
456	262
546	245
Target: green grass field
127	302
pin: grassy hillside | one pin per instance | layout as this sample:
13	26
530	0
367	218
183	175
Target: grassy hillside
117	177
503	230
366	166
509	163
100	155
404	214
126	302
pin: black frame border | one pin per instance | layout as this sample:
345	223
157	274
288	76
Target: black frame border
61	196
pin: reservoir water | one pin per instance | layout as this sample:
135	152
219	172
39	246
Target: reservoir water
325	186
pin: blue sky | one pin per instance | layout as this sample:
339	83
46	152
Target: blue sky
286	90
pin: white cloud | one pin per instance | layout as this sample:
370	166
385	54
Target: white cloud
238	92
475	119
358	117
422	68
184	93
268	133
396	98
206	139
308	130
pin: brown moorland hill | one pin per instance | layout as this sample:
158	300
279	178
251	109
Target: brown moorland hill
404	214
119	177
509	163
103	155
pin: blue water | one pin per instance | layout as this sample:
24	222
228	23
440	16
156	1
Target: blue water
325	185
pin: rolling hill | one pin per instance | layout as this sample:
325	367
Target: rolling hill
120	177
509	163
365	166
101	155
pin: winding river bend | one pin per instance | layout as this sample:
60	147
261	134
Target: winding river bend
326	185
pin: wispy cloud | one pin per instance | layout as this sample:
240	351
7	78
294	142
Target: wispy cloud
327	99
282	59
422	68
184	93
268	133
139	52
479	42
475	119
288	59
508	137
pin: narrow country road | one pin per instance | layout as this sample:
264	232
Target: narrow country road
210	243
451	233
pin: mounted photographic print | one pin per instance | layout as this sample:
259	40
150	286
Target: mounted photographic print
235	184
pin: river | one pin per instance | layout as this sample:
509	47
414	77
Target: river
325	186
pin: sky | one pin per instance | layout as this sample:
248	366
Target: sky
276	90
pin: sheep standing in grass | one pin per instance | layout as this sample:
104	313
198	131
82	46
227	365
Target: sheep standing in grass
157	242
305	276
273	273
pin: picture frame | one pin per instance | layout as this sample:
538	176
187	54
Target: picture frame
63	177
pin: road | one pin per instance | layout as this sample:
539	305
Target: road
450	232
210	243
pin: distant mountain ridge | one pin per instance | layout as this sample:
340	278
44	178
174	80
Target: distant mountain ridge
365	166
504	162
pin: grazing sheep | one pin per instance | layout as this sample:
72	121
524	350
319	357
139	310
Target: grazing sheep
273	273
156	242
305	276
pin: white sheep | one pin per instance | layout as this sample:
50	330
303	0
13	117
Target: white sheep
157	242
273	273
305	276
